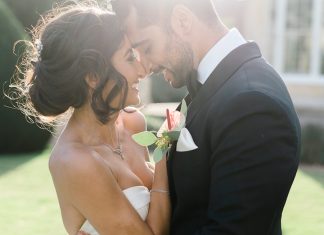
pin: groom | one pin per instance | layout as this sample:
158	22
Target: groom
240	116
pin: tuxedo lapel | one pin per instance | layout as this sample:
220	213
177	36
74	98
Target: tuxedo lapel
221	74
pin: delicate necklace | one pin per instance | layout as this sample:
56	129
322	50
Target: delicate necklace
119	149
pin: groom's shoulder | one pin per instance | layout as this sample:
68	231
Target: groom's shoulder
256	76
255	82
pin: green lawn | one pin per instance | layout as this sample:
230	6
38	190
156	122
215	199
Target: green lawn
304	211
28	204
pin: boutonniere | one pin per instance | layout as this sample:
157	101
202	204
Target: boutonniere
173	129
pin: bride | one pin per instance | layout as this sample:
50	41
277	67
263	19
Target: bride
102	178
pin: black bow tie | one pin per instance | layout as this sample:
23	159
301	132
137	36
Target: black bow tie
193	85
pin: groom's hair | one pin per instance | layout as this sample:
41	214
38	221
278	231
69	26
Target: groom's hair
152	11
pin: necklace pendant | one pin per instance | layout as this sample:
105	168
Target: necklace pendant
119	152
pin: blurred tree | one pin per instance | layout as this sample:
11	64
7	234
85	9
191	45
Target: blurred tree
16	135
312	145
29	11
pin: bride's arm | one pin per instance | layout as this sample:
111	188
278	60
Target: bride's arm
160	208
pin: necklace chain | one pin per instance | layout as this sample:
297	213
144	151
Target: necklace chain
119	149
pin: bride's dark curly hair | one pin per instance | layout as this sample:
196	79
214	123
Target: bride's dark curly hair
69	44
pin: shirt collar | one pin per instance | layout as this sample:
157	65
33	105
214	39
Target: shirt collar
218	52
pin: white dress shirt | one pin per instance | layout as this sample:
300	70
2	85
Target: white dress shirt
232	40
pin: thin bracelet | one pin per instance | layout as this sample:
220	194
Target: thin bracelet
159	191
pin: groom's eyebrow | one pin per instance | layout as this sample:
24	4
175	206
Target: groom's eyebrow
140	43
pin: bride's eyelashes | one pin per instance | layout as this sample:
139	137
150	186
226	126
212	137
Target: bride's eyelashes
132	57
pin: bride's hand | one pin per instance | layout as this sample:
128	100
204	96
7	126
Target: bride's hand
151	166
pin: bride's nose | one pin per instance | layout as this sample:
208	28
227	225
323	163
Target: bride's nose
142	71
147	65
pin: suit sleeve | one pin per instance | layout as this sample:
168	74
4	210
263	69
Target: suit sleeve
253	164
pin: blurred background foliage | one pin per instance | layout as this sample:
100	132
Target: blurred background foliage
16	134
313	145
28	11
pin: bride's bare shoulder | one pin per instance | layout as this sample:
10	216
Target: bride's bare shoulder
133	120
71	158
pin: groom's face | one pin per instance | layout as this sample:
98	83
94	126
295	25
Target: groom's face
160	50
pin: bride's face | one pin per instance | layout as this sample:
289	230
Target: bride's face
127	63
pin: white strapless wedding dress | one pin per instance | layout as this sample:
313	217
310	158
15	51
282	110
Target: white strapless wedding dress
138	196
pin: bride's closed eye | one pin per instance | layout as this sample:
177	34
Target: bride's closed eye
133	56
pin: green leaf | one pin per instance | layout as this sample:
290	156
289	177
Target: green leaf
184	108
165	133
145	138
158	154
174	135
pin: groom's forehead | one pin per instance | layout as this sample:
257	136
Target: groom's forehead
142	36
137	33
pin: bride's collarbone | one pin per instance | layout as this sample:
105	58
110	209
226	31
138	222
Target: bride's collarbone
128	172
122	157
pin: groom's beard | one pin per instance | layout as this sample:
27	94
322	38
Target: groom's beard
181	64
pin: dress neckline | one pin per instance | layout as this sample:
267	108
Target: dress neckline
135	188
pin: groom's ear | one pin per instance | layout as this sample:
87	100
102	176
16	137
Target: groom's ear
182	20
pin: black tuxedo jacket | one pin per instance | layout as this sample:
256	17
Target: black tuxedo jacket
248	137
